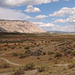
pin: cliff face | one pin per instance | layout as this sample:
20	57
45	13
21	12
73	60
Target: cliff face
19	26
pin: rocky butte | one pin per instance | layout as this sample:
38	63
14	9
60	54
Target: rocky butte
17	26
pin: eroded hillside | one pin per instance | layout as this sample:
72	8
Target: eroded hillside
19	26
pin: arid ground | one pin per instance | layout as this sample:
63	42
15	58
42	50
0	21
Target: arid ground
37	54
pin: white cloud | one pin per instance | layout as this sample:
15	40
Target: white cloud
63	12
68	28
40	16
30	8
47	25
70	19
66	0
12	14
11	3
55	0
38	23
59	21
53	27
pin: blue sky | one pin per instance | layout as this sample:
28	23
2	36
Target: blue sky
51	15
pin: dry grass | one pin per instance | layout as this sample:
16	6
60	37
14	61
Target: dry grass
56	49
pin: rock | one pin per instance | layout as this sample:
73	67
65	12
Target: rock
16	26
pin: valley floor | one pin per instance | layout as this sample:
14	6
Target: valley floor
37	54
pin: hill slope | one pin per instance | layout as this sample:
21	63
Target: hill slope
19	26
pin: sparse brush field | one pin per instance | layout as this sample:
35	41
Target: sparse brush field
37	54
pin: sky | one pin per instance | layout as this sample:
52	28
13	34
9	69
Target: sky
50	15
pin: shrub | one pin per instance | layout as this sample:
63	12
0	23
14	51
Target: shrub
55	61
67	52
5	49
50	52
49	58
41	68
38	57
29	66
58	54
19	71
20	47
5	65
13	47
72	64
44	53
73	52
15	54
27	52
27	47
23	56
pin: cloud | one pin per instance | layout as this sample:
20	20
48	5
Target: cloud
47	25
12	14
38	23
66	0
70	19
41	24
40	16
30	9
60	21
55	0
63	12
54	27
12	3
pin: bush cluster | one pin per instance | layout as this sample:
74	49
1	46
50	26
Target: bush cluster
58	54
29	66
73	52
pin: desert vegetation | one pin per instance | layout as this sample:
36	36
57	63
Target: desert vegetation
27	54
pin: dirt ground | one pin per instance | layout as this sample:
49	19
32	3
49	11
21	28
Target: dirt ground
56	51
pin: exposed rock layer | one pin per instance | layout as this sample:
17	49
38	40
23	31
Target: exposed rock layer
19	26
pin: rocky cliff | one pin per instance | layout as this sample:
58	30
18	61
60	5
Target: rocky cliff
19	26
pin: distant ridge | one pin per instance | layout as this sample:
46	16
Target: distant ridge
18	26
59	32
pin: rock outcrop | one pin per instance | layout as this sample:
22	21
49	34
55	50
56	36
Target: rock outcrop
19	26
